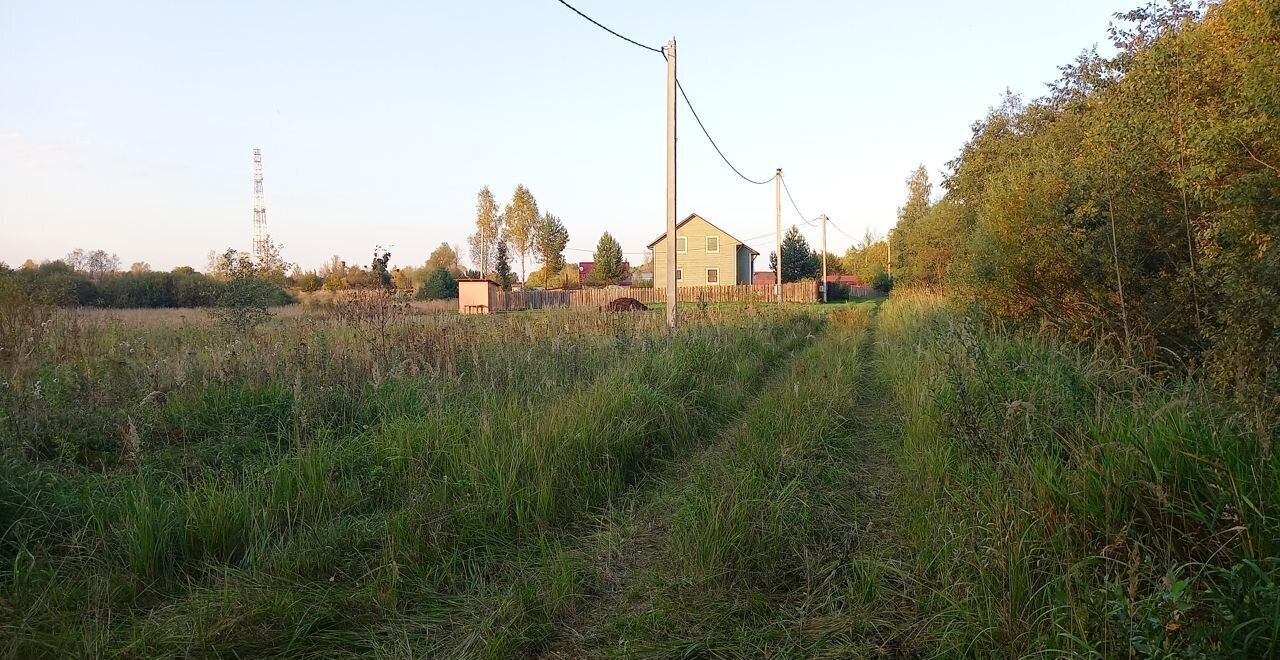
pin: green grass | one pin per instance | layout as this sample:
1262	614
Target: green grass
1065	501
326	508
869	479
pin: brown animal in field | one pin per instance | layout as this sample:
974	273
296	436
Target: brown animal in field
624	305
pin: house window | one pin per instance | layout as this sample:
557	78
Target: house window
682	244
713	244
713	276
679	274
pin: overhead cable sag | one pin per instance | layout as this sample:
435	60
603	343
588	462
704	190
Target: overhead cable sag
683	94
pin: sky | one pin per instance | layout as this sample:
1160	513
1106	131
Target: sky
129	127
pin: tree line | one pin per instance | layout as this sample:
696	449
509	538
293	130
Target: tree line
520	228
1137	203
93	279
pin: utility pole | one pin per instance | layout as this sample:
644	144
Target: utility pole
777	213
672	293
824	258
888	242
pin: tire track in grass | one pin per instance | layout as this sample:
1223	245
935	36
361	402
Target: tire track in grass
512	609
628	535
755	545
858	601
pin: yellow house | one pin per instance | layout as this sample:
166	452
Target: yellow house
706	255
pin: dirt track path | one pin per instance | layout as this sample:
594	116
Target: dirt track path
630	534
848	603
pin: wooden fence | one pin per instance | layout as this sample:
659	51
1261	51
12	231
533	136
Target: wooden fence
797	292
859	291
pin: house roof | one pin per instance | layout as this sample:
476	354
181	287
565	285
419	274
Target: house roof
695	215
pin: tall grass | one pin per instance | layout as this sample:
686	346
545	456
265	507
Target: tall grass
177	491
739	528
1063	500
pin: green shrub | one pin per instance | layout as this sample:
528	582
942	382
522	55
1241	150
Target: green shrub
440	284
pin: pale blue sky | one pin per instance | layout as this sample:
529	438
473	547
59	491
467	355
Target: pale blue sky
128	126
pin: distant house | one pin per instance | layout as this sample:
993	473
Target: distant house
585	268
706	255
764	277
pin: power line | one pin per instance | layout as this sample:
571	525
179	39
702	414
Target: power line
703	127
679	86
602	27
796	206
713	142
841	230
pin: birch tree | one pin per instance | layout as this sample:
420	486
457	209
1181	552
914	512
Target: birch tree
521	219
483	244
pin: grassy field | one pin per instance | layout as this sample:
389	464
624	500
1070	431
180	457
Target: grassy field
874	479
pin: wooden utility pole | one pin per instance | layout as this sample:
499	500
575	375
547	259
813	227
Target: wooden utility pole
824	258
672	293
888	243
777	212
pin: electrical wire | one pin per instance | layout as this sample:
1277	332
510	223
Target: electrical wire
602	27
705	132
796	206
841	230
689	104
679	86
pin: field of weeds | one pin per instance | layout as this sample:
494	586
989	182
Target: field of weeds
384	482
876	479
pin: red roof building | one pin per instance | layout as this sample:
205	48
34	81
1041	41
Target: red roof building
585	268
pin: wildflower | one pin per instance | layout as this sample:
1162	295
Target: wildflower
38	390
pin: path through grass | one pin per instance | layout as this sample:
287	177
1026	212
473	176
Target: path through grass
860	481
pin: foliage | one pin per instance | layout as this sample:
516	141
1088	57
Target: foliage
882	282
95	263
910	216
798	261
868	259
53	283
521	220
309	281
334	274
1134	204
502	268
440	284
566	278
1062	503
284	496
444	257
245	296
550	238
56	284
489	231
608	260
269	266
159	290
379	269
